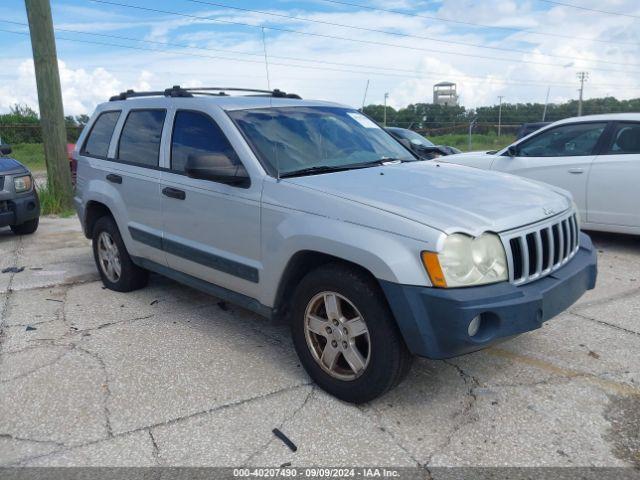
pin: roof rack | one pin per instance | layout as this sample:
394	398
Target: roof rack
178	91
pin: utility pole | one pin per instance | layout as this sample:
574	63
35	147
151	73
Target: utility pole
583	77
54	134
500	97
384	121
472	124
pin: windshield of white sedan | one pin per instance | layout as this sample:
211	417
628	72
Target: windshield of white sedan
315	139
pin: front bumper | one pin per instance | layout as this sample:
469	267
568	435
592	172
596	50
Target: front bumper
20	208
434	322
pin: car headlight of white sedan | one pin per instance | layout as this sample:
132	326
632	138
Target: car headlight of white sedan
467	261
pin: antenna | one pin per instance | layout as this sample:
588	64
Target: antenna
364	99
266	66
266	59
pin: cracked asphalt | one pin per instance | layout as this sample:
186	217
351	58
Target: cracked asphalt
166	376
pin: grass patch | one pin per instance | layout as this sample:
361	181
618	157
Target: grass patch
489	141
30	154
50	204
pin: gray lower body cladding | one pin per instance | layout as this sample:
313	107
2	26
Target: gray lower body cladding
435	322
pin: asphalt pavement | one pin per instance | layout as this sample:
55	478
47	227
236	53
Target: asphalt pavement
168	376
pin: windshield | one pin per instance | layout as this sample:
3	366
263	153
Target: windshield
289	139
413	137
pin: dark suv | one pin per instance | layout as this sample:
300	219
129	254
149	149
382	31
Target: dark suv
19	204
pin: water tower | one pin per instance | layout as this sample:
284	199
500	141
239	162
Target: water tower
444	93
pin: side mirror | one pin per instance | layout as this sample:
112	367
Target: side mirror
217	168
5	149
512	151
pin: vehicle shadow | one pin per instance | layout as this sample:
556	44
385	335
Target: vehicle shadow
620	242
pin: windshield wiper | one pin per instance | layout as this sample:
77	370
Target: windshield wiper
334	168
339	168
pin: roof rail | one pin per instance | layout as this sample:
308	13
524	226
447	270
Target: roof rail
178	91
273	93
174	91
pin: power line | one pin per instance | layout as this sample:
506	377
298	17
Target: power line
595	10
417	75
479	25
320	35
215	57
404	35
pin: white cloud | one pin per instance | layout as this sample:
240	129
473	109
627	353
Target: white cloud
81	89
89	75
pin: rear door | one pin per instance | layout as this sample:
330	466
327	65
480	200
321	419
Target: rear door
560	156
211	230
613	189
135	174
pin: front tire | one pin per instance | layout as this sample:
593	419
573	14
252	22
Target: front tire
26	228
117	270
345	334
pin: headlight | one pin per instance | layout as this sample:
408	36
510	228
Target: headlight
466	261
22	184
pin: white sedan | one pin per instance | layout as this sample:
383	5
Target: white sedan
596	158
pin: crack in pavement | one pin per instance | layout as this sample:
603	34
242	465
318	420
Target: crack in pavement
7	294
165	423
602	322
16	438
386	430
155	452
465	414
38	368
105	386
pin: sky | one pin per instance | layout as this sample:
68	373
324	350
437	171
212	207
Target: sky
331	49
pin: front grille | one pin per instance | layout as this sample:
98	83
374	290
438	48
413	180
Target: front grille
537	251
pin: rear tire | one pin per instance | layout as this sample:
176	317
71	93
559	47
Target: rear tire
117	270
328	300
26	228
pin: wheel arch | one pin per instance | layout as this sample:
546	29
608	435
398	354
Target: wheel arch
93	212
299	265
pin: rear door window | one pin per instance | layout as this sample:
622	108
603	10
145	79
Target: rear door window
97	144
626	139
140	138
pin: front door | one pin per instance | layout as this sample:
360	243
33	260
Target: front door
560	156
211	230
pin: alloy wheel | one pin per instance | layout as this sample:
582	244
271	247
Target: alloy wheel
337	335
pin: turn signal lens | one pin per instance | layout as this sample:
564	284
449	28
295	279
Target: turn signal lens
432	264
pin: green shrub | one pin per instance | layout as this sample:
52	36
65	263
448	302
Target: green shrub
50	204
30	154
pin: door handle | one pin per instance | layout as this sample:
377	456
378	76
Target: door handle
113	178
174	193
576	171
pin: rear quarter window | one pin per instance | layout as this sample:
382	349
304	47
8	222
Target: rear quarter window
99	138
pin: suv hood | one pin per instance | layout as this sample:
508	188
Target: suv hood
9	165
448	197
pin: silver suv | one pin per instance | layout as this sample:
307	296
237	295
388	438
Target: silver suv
308	211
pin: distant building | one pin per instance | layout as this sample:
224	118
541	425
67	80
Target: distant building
444	93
